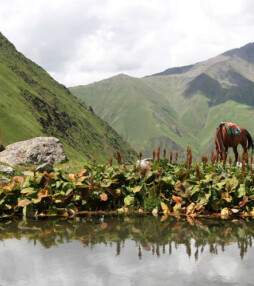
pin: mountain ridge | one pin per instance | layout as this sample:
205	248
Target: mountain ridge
192	99
34	104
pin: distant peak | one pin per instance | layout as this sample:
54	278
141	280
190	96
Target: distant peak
122	75
245	52
174	70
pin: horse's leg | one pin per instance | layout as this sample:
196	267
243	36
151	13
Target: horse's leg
226	153
245	151
236	154
217	151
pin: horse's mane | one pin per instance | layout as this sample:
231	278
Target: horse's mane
218	139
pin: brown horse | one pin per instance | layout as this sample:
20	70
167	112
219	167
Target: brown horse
223	141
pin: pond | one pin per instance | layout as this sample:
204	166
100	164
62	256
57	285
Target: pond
126	250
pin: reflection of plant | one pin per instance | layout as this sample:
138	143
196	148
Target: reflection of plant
202	189
150	234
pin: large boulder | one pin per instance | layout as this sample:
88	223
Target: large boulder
34	151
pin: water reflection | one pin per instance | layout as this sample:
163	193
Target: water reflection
159	236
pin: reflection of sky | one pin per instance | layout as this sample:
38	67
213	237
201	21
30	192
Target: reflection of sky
71	264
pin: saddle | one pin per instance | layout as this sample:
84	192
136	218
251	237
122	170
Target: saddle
232	128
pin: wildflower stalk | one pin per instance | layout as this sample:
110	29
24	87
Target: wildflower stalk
170	156
158	153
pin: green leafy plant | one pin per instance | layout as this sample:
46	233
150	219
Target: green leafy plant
190	189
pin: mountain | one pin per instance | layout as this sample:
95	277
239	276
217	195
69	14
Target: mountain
33	104
180	106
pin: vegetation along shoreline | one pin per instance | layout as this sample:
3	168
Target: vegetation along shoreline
207	188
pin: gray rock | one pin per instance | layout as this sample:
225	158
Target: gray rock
6	170
45	167
34	151
176	130
90	109
144	162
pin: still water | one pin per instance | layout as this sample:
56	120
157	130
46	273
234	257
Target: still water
126	250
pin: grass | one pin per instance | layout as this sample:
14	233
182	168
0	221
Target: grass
203	189
34	104
145	110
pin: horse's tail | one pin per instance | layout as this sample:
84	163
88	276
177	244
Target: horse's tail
219	140
250	141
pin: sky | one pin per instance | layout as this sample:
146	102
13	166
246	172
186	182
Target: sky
82	41
23	263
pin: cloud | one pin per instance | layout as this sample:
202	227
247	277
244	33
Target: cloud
72	264
79	42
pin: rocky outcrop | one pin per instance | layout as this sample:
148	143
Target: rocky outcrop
6	170
34	151
45	167
144	162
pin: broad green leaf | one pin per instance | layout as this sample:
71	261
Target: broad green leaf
82	173
28	191
252	212
178	200
72	177
190	208
106	184
241	191
231	184
25	202
209	178
155	211
224	212
6	207
36	201
43	193
69	191
221	184
128	201
8	188
168	180
205	199
59	184
194	190
177	208
226	197
28	210
137	189
165	208
17	180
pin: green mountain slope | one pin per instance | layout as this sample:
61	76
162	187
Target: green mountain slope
33	104
180	106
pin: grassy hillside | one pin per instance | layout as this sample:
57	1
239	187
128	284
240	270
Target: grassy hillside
180	106
138	112
33	104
